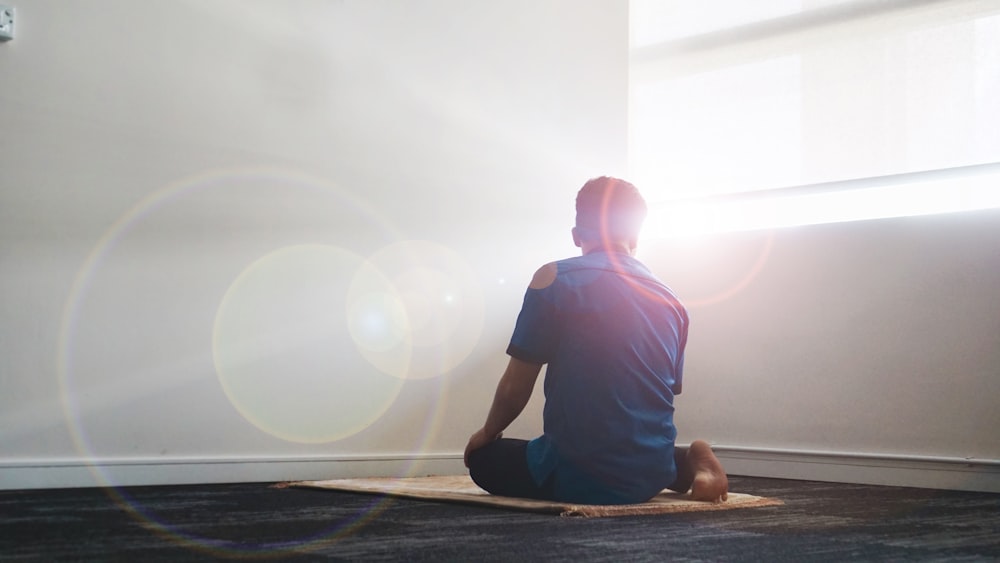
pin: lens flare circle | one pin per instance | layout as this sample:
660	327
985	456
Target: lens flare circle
378	321
429	317
279	345
236	190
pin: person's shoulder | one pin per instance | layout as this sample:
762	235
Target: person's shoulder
544	276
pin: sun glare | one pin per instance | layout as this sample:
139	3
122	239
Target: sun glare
671	219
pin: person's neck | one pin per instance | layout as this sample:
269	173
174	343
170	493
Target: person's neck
610	246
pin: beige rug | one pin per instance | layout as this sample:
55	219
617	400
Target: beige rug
461	489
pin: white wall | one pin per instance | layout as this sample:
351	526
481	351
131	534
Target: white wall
273	240
281	240
865	351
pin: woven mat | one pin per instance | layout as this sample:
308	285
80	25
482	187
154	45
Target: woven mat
461	489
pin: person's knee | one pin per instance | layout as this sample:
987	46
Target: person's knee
477	458
482	475
479	466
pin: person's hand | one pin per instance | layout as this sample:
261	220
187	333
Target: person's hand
479	439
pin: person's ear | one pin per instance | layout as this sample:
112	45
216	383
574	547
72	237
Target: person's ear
576	238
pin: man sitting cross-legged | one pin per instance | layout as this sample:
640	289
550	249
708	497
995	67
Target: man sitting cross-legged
613	336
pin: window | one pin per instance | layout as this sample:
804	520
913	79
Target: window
763	114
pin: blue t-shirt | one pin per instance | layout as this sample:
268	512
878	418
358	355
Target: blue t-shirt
613	337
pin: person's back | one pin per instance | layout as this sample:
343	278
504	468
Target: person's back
615	359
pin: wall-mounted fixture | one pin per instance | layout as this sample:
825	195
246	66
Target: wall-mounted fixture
6	23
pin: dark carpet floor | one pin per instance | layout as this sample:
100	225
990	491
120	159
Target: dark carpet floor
819	522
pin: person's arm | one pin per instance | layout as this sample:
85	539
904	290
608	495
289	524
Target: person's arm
511	396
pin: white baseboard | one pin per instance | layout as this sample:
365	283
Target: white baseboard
48	474
841	467
928	472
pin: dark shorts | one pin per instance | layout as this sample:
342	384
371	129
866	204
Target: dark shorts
501	468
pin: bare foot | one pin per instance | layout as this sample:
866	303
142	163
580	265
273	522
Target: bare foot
710	482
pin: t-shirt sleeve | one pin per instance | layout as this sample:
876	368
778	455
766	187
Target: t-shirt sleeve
536	331
679	367
679	375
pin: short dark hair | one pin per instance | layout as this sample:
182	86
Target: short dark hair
609	207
